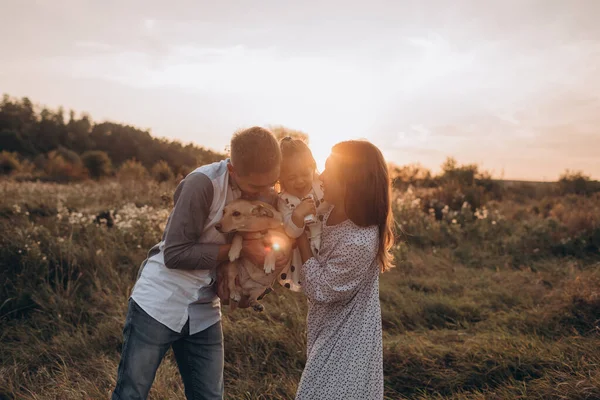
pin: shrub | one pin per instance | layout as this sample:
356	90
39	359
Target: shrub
68	155
58	169
97	163
132	170
411	175
162	172
575	182
9	163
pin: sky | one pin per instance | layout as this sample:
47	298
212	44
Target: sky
511	85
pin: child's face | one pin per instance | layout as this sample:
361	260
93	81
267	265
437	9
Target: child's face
296	178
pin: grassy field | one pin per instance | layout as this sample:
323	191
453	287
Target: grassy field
499	302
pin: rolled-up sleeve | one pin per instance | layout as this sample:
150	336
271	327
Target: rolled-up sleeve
288	224
193	199
337	278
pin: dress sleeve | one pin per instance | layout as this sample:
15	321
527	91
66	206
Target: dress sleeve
290	228
337	278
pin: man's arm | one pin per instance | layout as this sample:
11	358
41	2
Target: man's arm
193	198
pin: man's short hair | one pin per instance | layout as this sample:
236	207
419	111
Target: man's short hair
254	151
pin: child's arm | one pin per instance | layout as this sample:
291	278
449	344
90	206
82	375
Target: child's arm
291	229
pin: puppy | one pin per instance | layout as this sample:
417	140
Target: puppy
251	220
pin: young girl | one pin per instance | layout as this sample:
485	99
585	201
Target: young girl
301	196
344	354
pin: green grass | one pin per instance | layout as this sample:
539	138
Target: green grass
472	310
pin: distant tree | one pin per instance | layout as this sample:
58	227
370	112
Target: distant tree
12	140
161	171
97	163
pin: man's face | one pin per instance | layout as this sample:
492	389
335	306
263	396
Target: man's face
253	185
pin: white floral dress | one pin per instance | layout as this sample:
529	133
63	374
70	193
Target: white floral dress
344	343
287	203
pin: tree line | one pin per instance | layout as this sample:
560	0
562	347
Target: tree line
41	139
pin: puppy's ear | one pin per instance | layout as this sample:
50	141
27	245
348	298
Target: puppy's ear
262	211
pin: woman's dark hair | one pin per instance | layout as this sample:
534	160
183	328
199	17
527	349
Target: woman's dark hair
362	168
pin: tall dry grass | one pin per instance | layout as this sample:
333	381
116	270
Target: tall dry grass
500	302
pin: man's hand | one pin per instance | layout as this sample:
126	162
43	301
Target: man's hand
284	254
254	250
222	284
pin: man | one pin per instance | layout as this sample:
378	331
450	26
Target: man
174	301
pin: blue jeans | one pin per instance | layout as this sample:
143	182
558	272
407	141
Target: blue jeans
199	357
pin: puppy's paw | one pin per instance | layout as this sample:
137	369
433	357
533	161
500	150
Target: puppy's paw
270	263
235	296
233	256
269	267
258	307
235	249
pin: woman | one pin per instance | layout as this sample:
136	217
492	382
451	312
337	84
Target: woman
344	349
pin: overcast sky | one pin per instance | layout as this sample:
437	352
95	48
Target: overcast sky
511	85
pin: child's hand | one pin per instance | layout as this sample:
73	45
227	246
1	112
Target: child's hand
305	208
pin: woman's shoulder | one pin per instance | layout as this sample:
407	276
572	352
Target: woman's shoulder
349	232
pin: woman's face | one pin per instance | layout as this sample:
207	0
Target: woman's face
333	189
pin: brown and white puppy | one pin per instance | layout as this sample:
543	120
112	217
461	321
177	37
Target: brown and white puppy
251	220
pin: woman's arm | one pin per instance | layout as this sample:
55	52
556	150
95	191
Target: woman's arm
339	276
304	247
